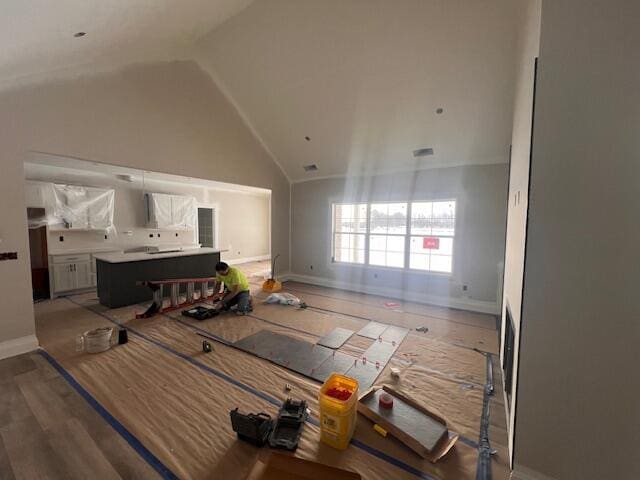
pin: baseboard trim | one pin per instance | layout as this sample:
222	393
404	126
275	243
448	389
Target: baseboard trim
524	473
239	261
18	346
458	303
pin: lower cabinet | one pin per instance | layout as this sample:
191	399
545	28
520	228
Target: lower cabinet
72	273
64	277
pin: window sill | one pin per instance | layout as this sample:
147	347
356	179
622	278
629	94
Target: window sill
427	273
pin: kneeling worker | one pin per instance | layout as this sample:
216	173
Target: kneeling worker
236	289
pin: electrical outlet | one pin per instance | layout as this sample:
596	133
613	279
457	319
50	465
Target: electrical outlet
310	267
61	238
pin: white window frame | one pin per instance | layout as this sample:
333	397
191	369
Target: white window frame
334	233
452	237
408	235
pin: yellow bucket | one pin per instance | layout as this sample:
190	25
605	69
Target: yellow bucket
338	417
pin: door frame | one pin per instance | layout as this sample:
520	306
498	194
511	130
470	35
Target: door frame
216	223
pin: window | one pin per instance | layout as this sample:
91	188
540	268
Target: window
432	232
417	235
349	232
387	229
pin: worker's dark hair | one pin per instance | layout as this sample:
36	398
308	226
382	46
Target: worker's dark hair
221	266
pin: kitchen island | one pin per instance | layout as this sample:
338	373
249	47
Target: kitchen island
118	273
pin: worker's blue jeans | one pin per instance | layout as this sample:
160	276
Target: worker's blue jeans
242	300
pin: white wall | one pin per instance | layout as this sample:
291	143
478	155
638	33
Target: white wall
528	48
480	192
578	415
243	217
166	117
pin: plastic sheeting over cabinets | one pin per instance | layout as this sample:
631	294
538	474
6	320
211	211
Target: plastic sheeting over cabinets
84	208
170	211
74	207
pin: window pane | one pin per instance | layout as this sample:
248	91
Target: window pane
348	248
350	217
388	218
386	250
395	259
419	261
433	218
441	263
444	209
431	253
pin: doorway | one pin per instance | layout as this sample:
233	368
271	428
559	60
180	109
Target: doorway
39	253
207	233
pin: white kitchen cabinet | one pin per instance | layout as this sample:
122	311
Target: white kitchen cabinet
63	277
83	274
170	211
72	272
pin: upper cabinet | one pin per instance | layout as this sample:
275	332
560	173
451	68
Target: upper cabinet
170	211
83	208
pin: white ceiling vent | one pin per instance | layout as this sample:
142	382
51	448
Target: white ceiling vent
423	152
311	168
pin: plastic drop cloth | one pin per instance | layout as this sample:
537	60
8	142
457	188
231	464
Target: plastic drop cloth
283	299
171	211
76	207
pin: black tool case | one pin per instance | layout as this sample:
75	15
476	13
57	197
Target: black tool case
288	427
252	428
200	313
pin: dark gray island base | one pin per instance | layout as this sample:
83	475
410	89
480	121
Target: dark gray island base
117	276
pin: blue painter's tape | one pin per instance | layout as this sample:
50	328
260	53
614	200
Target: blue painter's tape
357	443
148	457
205	333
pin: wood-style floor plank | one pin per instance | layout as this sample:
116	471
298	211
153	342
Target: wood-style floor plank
83	457
48	431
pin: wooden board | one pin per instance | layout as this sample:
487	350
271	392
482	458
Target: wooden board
372	330
423	431
276	466
335	338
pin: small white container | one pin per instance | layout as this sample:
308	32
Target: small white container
95	341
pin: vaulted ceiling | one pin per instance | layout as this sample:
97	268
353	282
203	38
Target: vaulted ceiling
353	86
37	36
363	80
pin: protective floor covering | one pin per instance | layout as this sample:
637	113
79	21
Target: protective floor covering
176	399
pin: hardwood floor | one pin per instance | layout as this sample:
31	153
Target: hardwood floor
47	430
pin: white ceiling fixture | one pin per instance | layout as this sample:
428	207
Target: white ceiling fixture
42	36
368	80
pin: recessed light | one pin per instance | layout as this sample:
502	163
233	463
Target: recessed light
79	34
307	139
439	110
310	168
423	152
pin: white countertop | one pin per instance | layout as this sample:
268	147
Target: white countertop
76	251
119	257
